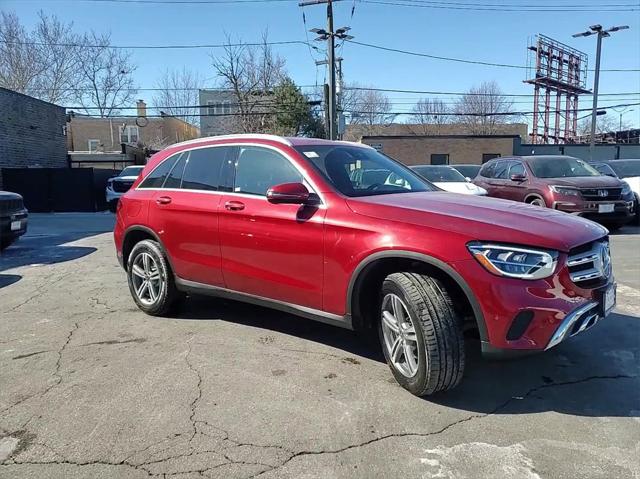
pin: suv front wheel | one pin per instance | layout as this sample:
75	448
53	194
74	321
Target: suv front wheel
421	333
150	279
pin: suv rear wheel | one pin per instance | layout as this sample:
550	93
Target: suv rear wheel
421	333
150	279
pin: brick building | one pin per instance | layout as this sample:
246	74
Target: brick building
32	132
92	135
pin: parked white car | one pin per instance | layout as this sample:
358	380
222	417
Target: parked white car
448	179
628	170
119	185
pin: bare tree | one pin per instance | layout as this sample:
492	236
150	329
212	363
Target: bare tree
250	73
20	62
179	89
58	49
484	108
367	106
106	76
604	124
428	115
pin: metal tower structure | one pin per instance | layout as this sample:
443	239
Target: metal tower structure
558	74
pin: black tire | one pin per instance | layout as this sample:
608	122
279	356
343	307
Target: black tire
537	201
438	330
613	226
6	242
168	296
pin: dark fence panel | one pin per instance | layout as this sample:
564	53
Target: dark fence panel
59	189
32	183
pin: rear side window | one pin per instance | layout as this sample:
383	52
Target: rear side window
258	169
517	168
488	169
202	171
175	177
159	174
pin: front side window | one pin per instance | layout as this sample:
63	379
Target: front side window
358	171
202	170
517	168
258	169
159	174
502	168
561	167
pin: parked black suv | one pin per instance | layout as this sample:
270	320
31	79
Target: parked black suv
13	218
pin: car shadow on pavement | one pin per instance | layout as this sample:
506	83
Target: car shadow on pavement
206	308
7	279
44	249
596	374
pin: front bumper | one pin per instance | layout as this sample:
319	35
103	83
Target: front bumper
623	210
14	224
112	195
522	316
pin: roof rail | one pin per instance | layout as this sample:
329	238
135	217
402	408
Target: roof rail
241	136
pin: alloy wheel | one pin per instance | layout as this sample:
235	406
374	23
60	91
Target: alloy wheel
146	277
399	335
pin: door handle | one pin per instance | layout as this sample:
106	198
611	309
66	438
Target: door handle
234	205
164	200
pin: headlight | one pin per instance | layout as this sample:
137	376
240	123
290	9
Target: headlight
514	262
626	189
564	190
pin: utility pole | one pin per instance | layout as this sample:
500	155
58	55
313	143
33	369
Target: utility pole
330	35
597	30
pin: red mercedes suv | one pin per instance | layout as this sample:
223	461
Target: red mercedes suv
288	223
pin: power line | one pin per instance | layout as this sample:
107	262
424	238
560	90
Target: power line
426	92
156	47
480	8
461	60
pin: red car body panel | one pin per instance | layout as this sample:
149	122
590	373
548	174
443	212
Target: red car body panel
310	256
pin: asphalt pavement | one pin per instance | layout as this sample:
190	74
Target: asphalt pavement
90	387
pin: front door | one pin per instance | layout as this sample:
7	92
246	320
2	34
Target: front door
270	250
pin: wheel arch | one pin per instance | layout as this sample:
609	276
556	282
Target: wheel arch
135	234
378	265
531	196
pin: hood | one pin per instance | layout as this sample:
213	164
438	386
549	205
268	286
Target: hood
461	187
481	218
8	195
585	182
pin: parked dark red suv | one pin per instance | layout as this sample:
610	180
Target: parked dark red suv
560	182
287	223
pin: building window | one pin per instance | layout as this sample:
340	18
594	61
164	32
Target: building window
489	156
218	107
129	134
93	145
439	159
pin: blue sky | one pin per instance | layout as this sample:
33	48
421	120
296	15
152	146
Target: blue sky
494	36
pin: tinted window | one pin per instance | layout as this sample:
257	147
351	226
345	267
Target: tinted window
626	168
470	171
358	171
488	169
258	169
502	167
158	175
202	171
517	168
174	178
131	171
440	174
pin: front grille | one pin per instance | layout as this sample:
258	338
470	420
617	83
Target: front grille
601	194
590	264
9	206
121	186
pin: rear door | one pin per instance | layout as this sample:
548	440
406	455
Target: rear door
499	179
270	250
485	176
185	214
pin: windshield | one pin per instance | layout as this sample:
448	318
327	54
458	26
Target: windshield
358	171
626	168
440	174
561	167
131	171
470	171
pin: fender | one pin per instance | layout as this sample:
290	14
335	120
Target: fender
444	267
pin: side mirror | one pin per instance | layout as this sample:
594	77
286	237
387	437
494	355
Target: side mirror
518	177
289	193
468	179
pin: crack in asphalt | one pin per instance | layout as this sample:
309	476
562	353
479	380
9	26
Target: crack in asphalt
194	404
494	411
